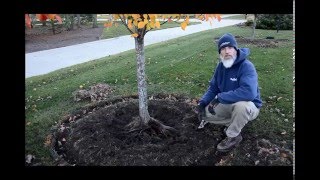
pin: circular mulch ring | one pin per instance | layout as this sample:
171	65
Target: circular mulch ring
97	135
258	42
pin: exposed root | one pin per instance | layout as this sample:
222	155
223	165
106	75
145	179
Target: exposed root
162	129
134	124
153	127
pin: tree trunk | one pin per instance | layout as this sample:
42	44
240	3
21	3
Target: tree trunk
278	22
145	122
94	24
254	25
142	84
53	27
79	20
71	21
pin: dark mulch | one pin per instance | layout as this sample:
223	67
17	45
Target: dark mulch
97	135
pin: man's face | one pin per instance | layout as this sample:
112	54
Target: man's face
228	55
228	52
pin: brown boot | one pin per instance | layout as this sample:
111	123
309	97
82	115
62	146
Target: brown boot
229	143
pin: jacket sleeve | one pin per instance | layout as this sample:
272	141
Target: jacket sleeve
212	91
247	90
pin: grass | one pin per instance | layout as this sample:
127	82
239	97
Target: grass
183	65
121	30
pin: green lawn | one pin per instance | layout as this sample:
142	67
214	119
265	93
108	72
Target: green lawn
182	65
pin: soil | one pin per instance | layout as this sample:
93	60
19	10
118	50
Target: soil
98	135
42	38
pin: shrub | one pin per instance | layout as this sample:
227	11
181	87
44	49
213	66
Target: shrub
86	18
250	19
249	23
275	21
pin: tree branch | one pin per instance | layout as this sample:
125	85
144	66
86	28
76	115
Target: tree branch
166	21
126	25
148	31
160	24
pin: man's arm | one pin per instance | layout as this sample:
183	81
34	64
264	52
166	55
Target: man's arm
212	91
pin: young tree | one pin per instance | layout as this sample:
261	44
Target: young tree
78	21
94	21
255	16
138	25
42	18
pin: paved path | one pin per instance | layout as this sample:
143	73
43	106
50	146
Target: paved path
42	62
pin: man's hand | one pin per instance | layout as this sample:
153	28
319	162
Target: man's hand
212	105
201	115
214	102
201	112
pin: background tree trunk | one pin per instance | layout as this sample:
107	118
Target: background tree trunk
94	24
278	22
142	84
71	21
53	26
79	20
254	25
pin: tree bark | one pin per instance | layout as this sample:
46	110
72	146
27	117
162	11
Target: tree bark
53	26
278	22
94	24
254	25
142	84
79	20
71	17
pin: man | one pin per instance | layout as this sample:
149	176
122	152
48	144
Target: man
233	97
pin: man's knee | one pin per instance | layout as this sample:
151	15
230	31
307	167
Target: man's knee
246	108
242	107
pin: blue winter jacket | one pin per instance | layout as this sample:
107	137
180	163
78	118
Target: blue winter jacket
237	83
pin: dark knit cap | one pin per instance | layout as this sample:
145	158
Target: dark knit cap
227	40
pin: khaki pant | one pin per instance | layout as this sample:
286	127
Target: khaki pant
234	116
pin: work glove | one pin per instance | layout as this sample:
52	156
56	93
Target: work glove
214	102
201	115
212	105
201	112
